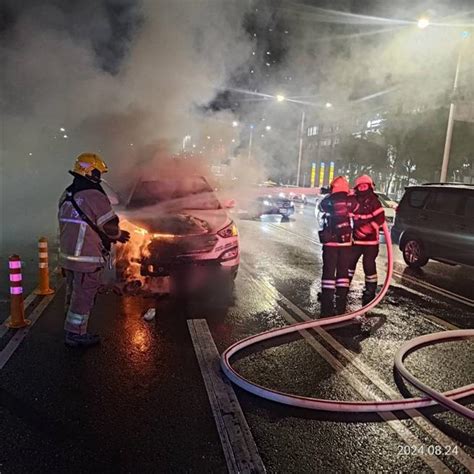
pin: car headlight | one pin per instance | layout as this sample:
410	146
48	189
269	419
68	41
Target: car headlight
267	203
229	231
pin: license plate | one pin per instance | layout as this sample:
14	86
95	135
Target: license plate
160	284
283	211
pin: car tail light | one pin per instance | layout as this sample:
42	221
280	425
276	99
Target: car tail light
229	231
230	254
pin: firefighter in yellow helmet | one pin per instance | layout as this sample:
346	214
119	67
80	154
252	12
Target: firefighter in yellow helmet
88	227
336	237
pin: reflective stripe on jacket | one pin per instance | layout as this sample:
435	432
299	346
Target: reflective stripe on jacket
81	247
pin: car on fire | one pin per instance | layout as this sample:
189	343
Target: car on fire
182	236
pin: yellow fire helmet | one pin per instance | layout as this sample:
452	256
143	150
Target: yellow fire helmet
90	165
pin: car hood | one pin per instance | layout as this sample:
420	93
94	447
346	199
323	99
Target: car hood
184	222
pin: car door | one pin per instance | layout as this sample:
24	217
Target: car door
465	227
443	221
411	216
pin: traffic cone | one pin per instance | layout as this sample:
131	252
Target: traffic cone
17	309
43	270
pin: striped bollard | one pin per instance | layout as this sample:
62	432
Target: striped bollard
43	269
17	309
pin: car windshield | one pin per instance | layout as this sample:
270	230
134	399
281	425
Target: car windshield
175	194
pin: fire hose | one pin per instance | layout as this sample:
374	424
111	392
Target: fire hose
433	397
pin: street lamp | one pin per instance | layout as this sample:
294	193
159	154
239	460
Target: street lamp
282	98
452	109
423	23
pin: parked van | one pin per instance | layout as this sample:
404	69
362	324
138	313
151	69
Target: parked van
436	221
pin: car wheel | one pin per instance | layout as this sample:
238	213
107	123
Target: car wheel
414	253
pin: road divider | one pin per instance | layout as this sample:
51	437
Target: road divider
17	309
43	269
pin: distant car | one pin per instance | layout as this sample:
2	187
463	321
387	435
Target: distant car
272	205
313	199
389	207
436	221
179	231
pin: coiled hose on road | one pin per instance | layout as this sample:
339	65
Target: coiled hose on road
447	399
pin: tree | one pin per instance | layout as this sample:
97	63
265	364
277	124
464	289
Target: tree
359	156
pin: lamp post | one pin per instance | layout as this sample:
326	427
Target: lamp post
300	151
422	24
282	98
250	142
450	127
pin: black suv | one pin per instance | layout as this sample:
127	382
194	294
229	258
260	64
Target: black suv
436	221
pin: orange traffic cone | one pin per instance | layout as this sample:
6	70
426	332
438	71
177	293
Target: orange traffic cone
43	270
17	309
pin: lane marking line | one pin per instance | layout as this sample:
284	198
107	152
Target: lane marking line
240	451
28	300
395	424
435	289
18	337
271	294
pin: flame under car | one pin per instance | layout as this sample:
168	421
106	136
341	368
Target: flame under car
182	237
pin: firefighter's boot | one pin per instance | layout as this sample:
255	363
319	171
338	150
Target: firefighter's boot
81	340
369	293
341	300
327	303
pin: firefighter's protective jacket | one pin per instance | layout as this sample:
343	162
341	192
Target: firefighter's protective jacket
338	209
368	218
81	247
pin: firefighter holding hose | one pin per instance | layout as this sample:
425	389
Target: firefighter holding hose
368	218
336	237
88	227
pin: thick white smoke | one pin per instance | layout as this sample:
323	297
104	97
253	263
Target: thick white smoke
56	76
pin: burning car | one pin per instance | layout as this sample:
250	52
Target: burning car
181	236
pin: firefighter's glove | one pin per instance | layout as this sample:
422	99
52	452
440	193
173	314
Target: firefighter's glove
363	231
124	236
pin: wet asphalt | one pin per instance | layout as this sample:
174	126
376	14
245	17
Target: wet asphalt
137	403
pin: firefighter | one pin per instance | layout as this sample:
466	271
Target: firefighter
336	237
368	218
88	226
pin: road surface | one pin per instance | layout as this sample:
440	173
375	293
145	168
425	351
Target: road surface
138	402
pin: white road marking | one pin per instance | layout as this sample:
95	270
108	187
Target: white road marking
435	289
20	334
28	300
239	447
271	293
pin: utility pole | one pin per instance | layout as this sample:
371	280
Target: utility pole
450	127
300	153
250	142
